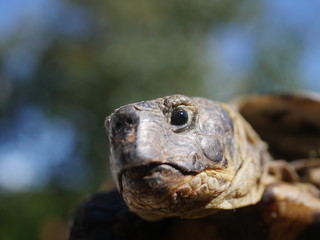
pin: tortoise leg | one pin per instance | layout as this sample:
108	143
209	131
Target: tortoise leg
283	171
313	176
308	170
289	209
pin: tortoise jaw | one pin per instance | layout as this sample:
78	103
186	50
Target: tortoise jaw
157	190
153	173
152	183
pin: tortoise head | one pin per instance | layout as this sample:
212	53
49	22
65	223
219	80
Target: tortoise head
180	156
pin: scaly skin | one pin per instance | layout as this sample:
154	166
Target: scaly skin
214	161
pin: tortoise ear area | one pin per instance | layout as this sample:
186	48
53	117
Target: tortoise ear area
213	150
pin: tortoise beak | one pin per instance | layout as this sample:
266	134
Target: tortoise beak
134	139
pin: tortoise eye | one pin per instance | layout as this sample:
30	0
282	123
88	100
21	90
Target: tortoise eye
179	117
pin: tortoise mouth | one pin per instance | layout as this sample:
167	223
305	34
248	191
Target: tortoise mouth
154	179
144	170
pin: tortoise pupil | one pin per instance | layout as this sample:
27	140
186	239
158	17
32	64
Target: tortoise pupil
179	117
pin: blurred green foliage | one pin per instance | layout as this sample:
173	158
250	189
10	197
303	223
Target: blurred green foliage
127	51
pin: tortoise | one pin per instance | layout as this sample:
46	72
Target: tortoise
192	168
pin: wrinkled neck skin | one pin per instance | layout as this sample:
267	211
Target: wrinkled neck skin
252	159
214	161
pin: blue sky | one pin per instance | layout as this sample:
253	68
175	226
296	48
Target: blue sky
39	144
233	48
303	17
33	145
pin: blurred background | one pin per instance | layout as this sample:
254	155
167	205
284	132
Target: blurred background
66	64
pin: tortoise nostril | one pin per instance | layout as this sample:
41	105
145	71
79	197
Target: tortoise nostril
125	117
119	124
129	120
125	121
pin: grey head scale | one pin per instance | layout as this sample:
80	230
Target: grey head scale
182	156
